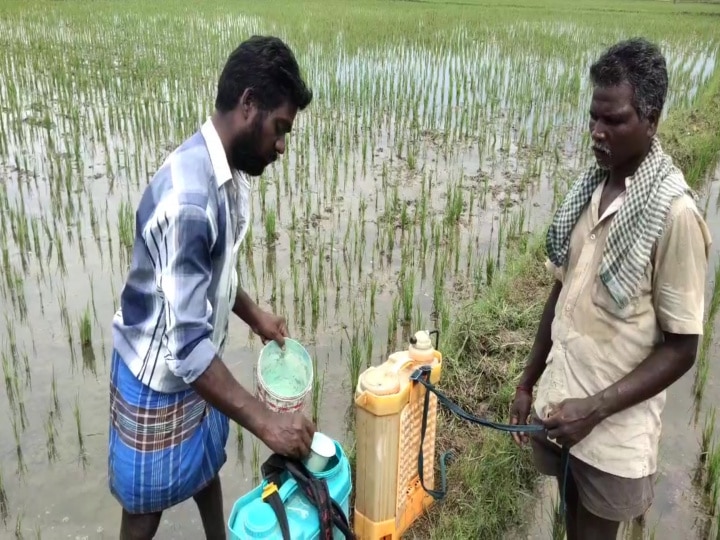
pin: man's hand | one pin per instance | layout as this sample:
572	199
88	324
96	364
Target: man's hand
519	412
288	434
270	328
573	420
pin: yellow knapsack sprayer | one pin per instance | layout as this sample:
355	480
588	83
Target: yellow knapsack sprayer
389	494
396	407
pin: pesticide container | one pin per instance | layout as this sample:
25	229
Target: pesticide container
251	517
284	376
388	416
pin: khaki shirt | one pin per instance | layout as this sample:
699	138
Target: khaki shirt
595	343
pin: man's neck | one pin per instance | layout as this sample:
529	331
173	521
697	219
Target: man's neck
619	174
223	131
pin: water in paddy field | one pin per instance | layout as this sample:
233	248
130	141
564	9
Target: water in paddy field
401	185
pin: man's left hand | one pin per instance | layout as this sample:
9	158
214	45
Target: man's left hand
270	327
572	420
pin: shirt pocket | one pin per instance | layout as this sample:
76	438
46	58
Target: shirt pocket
602	300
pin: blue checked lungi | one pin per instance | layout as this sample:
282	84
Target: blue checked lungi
163	448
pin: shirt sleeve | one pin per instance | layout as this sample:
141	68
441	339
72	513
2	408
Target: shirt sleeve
681	261
180	242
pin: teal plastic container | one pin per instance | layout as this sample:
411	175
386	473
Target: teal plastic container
252	518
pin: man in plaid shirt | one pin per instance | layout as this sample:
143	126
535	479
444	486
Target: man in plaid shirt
171	395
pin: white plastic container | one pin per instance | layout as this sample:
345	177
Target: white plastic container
284	376
321	451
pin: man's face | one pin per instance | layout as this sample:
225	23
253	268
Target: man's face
260	138
619	135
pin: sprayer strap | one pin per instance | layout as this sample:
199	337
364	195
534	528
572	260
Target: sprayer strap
272	497
422	376
315	490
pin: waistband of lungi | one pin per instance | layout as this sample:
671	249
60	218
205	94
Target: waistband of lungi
147	420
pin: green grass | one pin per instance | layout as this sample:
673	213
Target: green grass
693	137
490	480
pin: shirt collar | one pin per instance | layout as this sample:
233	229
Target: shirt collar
219	161
614	206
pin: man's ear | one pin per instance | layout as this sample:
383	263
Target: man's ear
246	103
652	120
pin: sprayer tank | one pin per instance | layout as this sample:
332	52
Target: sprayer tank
388	409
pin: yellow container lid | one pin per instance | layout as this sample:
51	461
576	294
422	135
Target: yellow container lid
379	381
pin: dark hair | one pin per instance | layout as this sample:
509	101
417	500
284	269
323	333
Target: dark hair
640	64
267	66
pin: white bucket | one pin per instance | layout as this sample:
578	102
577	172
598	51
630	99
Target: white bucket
284	377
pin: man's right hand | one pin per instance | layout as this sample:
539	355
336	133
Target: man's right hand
288	434
519	412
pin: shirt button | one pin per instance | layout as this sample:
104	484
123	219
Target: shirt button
592	236
567	308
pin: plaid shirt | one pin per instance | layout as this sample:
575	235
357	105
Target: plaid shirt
175	305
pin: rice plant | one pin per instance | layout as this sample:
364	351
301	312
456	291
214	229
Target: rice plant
4	511
82	451
255	461
318	385
240	440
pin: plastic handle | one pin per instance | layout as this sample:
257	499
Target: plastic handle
397	367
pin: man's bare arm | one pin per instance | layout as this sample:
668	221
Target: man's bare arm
219	388
245	308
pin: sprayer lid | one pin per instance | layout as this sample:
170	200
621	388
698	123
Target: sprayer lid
421	341
380	382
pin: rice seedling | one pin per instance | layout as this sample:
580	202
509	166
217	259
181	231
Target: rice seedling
707	436
369	343
82	452
318	385
4	510
24	422
19	527
355	360
54	393
711	485
270	227
51	432
373	294
86	344
126	229
9	377
255	461
28	372
21	467
240	439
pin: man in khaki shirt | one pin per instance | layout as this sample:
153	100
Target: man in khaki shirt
628	249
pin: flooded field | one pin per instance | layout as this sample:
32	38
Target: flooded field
417	161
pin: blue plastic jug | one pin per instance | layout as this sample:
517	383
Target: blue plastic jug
251	517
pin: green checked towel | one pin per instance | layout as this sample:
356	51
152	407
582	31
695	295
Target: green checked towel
633	231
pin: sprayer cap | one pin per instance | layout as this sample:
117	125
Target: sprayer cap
421	340
380	382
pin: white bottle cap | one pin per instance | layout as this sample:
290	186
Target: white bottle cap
321	450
